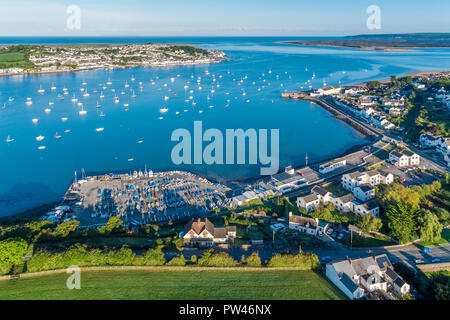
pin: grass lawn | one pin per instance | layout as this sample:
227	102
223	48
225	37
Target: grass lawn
176	285
445	238
363	242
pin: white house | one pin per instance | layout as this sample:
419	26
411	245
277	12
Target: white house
287	180
369	207
303	224
404	158
323	194
310	202
428	140
329	90
361	277
364	192
332	165
204	234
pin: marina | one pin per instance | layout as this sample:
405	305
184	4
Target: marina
138	198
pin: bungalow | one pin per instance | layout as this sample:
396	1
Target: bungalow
204	234
303	224
332	165
310	202
364	192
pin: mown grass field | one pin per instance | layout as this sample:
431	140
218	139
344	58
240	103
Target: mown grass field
175	285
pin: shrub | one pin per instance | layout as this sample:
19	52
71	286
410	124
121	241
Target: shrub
221	259
154	257
177	261
253	260
12	252
304	261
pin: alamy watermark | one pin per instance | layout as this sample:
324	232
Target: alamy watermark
74	280
235	140
73	21
374	20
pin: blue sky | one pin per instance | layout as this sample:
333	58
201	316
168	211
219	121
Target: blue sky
221	17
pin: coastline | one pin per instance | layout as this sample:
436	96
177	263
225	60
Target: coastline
382	49
410	74
111	68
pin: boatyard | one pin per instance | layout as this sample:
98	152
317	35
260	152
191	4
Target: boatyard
139	198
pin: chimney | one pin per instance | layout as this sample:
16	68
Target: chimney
349	260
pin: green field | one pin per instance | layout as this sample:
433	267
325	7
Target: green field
175	285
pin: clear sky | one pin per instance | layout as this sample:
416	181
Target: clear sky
220	17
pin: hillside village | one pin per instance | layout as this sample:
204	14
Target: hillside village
63	58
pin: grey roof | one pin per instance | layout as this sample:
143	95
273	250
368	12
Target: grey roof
365	187
347	198
220	233
344	267
396	153
384	173
319	190
372	173
310	198
303	221
399	282
362	265
408	153
370	205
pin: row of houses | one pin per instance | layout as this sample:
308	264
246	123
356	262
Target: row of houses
347	203
441	145
372	277
362	184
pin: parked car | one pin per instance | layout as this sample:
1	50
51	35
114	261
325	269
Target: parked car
436	260
419	261
334	234
326	259
320	233
329	231
426	249
340	236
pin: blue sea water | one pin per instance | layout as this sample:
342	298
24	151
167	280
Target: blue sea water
29	176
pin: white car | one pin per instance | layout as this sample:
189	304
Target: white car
329	231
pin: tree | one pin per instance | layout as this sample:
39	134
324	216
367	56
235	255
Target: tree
65	228
368	223
12	251
429	227
177	261
114	224
401	222
253	260
154	257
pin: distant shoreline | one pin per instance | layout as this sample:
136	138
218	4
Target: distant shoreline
365	48
410	74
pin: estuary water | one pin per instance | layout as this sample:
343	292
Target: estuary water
38	163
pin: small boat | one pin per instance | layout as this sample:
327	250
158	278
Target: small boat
163	110
109	82
57	136
40	138
66	131
11	99
41	90
126	84
101	114
86	94
42	147
74	99
125	105
140	141
98	105
50	103
64	119
9	139
47	110
35	120
131	159
53	88
99	129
